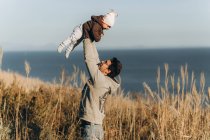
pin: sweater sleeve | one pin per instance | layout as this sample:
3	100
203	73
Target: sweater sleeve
91	57
96	55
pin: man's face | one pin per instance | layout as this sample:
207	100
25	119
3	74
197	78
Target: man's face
104	66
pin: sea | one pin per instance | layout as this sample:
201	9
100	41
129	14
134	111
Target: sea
139	65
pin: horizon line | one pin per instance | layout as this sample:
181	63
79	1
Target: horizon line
117	49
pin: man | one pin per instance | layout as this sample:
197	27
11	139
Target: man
101	84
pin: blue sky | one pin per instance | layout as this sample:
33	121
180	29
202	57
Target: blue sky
43	24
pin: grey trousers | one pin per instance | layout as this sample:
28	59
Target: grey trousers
75	38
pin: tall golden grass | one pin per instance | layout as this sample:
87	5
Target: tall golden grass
27	68
1	57
178	109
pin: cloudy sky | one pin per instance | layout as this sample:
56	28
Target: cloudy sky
42	24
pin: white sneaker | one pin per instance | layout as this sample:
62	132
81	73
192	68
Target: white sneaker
68	51
60	48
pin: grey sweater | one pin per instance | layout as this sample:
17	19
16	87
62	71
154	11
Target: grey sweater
96	90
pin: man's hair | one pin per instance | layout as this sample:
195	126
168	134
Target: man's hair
115	67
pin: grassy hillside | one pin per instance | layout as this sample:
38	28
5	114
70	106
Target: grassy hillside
33	109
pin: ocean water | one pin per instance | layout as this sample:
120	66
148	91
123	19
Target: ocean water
138	65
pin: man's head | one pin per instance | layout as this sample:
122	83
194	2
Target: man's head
111	67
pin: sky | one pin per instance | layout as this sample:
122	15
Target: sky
30	25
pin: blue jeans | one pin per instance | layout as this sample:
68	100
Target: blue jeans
91	131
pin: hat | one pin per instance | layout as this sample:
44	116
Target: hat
109	18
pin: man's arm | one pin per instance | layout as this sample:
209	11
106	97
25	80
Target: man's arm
91	57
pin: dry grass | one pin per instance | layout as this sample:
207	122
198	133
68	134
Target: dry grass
38	110
1	57
31	84
27	68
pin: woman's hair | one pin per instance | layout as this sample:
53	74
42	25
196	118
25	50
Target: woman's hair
115	67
